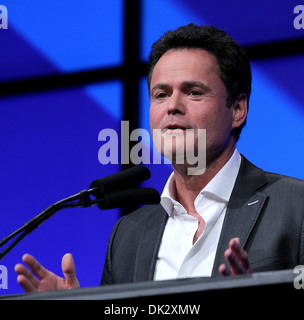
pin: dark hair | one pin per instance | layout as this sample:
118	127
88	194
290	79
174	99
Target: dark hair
233	63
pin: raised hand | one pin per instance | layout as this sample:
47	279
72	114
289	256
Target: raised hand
237	259
37	278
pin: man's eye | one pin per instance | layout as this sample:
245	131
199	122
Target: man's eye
195	93
161	95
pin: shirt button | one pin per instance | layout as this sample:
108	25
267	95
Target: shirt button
188	233
185	275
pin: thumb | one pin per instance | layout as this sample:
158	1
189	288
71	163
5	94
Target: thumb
68	269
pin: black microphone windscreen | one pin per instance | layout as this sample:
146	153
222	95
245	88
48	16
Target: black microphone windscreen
121	180
121	198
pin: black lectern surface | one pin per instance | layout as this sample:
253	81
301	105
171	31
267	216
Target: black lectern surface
259	296
277	283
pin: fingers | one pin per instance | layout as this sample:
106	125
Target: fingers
239	256
36	268
26	277
237	259
68	269
224	270
26	285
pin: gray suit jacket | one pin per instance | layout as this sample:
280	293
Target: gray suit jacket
265	211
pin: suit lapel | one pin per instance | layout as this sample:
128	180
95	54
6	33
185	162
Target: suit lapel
149	244
244	207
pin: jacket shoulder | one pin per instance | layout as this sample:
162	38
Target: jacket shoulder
284	180
267	178
144	215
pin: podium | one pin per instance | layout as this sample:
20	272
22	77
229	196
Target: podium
258	294
275	283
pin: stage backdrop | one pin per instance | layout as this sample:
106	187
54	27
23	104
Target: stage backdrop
49	139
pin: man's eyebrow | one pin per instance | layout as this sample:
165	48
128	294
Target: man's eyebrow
191	84
162	86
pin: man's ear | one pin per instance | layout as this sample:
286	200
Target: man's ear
240	109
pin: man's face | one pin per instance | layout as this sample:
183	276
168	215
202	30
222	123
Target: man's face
186	92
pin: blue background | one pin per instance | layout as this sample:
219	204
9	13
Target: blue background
48	139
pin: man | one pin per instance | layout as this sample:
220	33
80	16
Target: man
199	78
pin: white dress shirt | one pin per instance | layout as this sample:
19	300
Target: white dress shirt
178	257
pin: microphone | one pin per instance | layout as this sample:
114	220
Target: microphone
121	180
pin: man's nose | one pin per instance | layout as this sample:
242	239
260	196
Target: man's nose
175	104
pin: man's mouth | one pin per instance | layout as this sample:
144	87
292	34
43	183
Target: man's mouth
173	127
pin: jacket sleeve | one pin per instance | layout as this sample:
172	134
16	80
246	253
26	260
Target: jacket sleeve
301	253
107	277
